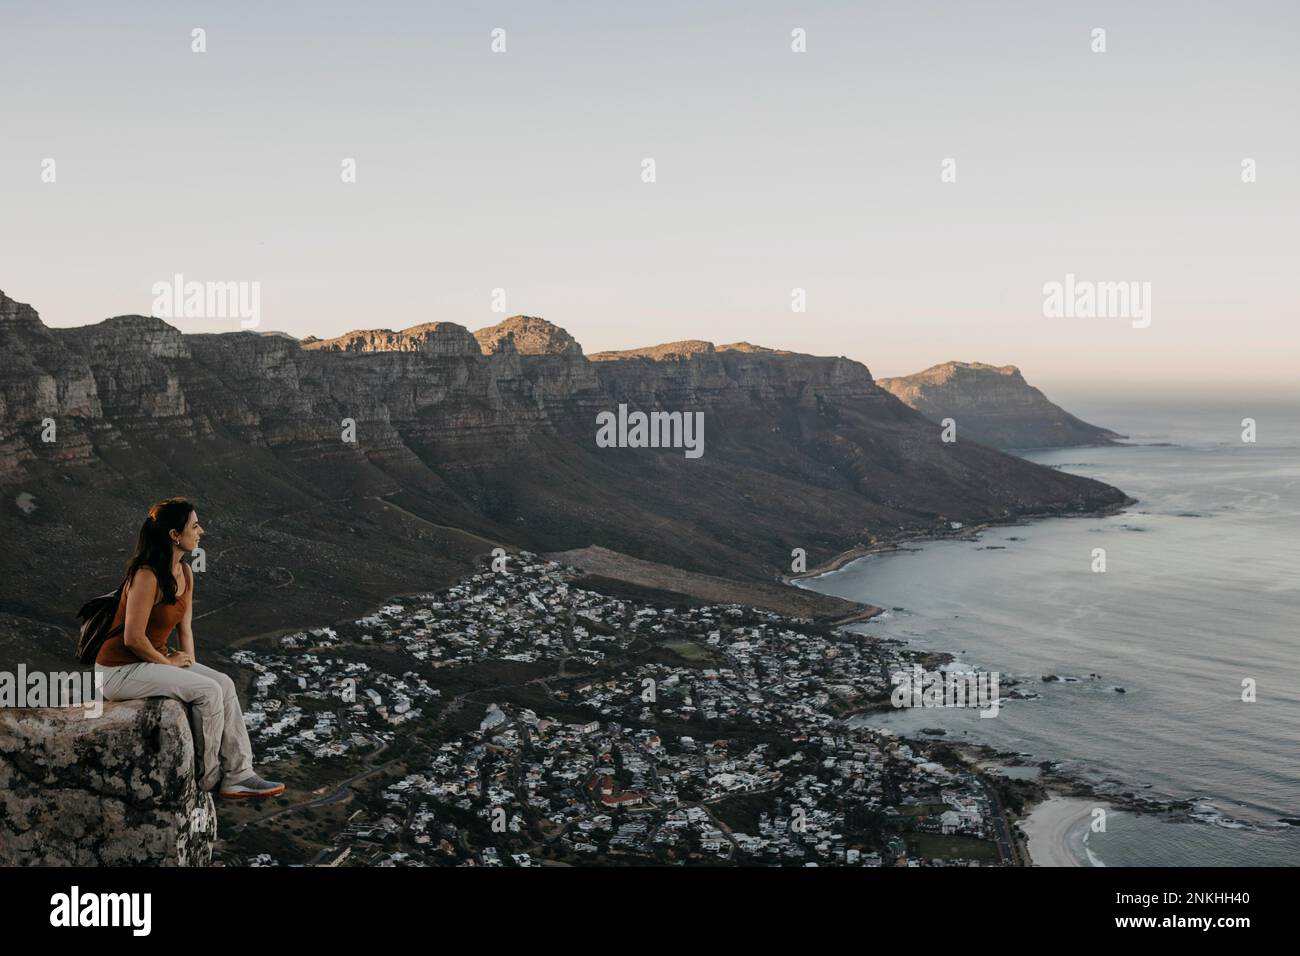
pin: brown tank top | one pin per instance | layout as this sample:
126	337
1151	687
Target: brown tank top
163	619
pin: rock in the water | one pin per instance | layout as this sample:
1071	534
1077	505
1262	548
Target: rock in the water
113	790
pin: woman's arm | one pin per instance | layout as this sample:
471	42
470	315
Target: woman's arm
139	604
183	628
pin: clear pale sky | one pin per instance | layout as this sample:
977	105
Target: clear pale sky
776	170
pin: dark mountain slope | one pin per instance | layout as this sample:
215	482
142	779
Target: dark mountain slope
455	452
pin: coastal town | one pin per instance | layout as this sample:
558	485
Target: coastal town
520	719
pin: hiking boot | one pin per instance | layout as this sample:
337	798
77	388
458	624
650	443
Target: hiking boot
252	788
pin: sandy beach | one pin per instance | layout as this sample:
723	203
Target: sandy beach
1049	825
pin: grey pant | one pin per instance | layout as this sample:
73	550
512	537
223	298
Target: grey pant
222	749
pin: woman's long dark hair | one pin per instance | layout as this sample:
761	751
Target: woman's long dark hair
153	549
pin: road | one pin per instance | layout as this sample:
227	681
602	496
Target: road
1001	830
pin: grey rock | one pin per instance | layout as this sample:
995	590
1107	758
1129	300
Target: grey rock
113	790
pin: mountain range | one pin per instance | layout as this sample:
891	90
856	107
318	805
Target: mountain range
463	442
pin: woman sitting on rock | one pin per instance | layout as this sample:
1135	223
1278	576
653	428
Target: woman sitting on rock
157	599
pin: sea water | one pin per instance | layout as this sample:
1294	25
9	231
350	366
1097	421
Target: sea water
1200	593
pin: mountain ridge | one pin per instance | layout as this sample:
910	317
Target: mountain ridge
455	449
993	404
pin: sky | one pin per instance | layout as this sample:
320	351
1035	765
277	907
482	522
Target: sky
822	170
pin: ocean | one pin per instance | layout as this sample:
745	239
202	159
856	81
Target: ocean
1201	591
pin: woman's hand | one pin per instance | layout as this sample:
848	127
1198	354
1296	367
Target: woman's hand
180	658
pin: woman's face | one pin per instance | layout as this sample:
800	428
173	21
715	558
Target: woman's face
188	538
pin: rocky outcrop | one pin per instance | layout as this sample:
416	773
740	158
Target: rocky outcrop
432	338
993	405
113	790
697	374
749	347
131	359
41	383
140	336
667	352
527	335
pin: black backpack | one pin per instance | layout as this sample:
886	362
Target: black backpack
97	624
